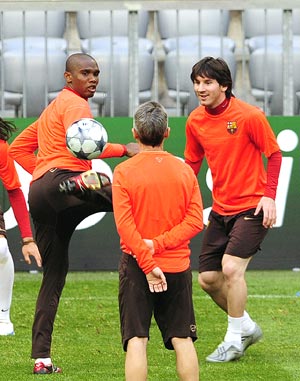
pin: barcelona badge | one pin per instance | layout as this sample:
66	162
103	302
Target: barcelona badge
232	127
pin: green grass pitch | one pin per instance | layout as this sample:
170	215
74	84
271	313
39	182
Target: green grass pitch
87	344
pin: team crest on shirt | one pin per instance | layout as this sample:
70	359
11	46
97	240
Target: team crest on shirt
232	127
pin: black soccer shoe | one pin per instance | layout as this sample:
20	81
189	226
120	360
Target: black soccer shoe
89	180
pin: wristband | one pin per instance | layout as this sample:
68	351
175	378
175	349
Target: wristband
31	240
125	150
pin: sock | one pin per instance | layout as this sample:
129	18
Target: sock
46	361
234	330
6	281
248	324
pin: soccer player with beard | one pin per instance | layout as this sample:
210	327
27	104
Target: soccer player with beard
56	174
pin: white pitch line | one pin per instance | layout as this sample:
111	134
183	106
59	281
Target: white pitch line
275	296
195	297
103	298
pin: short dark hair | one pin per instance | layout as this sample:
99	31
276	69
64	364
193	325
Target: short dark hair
151	123
214	68
6	129
73	60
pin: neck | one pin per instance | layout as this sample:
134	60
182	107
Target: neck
220	108
73	91
150	148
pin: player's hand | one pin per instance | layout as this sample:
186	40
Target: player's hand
268	206
31	249
150	245
156	280
132	149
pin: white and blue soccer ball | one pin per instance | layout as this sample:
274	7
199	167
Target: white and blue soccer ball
86	138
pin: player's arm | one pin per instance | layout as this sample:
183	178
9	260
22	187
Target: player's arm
193	153
119	150
110	150
191	224
156	280
23	148
126	226
267	202
273	170
29	247
17	201
194	165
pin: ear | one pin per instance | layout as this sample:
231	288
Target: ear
167	132
68	77
134	133
224	88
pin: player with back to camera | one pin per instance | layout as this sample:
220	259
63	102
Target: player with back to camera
55	213
232	135
11	183
157	210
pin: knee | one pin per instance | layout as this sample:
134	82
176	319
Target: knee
228	270
208	280
183	346
137	344
232	271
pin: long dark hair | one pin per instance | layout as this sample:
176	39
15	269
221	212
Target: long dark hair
214	68
6	129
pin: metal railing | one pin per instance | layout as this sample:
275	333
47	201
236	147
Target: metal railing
159	91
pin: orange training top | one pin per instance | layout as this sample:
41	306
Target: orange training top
233	143
8	173
48	135
156	196
11	183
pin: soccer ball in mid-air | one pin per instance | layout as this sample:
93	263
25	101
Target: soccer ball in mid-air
86	138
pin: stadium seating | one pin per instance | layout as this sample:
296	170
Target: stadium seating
187	36
92	24
32	23
104	35
28	39
264	28
33	54
271	79
208	22
32	78
264	39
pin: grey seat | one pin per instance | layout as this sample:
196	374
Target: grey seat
104	35
116	92
209	22
105	43
33	42
195	34
100	23
264	27
274	41
194	42
32	78
32	23
33	58
264	39
266	78
191	28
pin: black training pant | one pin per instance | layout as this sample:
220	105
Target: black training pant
55	216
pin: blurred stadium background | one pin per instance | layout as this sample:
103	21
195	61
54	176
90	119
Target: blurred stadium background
145	51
